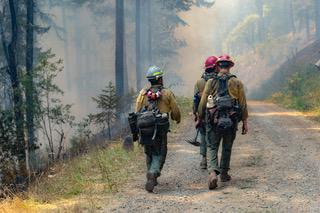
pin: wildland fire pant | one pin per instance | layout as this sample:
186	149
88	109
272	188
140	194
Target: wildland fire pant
203	141
156	154
214	139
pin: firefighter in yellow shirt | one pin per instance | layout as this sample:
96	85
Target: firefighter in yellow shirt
223	103
210	72
154	106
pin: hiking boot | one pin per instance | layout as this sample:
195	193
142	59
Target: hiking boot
203	164
213	180
224	176
157	176
151	182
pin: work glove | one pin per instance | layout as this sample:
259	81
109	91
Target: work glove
245	128
196	117
198	123
135	137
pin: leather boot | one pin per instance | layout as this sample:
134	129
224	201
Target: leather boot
151	182
213	180
203	164
224	176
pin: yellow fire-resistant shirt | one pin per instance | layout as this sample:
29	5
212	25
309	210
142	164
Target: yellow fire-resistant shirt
198	89
166	104
199	86
236	91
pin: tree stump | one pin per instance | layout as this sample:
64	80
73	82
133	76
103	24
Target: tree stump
128	143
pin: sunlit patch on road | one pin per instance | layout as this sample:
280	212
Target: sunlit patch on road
286	113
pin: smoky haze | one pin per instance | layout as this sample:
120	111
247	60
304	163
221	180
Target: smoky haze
108	45
229	26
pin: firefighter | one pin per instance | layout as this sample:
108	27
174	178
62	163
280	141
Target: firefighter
224	102
210	72
154	106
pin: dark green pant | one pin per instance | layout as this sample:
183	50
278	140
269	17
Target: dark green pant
203	141
213	141
156	154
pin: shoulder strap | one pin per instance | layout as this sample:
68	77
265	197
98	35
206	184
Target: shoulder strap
231	76
223	89
214	82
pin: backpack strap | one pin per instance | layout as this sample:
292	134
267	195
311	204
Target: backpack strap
231	76
223	84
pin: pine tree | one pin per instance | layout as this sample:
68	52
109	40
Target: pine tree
107	103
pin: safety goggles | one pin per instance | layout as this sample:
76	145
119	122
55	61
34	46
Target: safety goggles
224	64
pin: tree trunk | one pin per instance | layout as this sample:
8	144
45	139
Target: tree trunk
138	44
317	18
30	84
149	16
109	131
291	17
307	22
61	134
119	51
19	147
66	47
261	25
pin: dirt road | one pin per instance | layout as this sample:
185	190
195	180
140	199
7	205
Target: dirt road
276	168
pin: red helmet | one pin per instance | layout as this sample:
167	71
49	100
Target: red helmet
226	58
210	62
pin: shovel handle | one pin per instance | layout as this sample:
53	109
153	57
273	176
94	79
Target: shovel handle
198	130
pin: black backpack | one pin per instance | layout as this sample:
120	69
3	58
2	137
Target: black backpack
227	109
151	123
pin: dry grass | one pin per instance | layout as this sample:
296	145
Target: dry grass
83	183
185	105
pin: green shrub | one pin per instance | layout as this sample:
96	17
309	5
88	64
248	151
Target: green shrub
301	90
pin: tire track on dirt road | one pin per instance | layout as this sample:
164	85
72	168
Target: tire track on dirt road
276	168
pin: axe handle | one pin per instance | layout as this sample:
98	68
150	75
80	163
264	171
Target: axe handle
198	130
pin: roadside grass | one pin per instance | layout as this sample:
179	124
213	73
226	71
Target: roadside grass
300	91
288	102
315	114
185	105
83	182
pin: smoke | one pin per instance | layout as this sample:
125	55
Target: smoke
204	36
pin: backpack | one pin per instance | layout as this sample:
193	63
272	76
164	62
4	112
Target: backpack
197	96
150	122
226	113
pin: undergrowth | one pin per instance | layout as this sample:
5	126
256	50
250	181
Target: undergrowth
301	90
101	172
185	105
